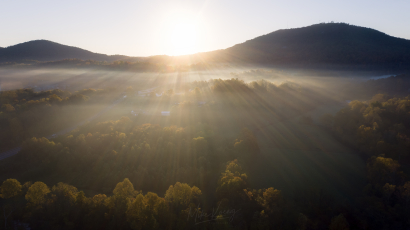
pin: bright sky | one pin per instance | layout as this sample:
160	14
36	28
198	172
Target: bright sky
174	27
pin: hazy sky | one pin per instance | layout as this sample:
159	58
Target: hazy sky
143	28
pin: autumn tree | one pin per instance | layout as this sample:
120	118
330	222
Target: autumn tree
232	183
10	188
55	99
148	212
8	108
181	195
118	204
382	170
37	192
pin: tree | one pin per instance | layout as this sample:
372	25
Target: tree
379	98
37	192
232	182
124	189
381	170
388	190
271	198
135	212
8	108
10	188
55	99
65	191
146	212
77	98
181	195
405	193
339	223
118	204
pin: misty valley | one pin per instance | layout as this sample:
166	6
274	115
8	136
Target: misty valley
251	137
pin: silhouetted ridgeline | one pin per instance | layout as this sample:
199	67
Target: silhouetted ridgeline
43	50
331	45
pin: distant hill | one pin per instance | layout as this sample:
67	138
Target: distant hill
320	44
43	50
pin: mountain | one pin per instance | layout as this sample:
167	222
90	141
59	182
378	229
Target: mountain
320	44
43	50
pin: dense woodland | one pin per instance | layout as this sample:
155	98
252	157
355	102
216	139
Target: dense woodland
380	130
132	174
25	113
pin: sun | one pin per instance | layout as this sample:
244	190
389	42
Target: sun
183	38
182	32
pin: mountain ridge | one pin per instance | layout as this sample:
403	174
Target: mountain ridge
44	50
325	44
333	43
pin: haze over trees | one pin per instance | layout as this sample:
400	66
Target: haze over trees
154	172
204	142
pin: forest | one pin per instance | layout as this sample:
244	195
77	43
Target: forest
200	167
25	113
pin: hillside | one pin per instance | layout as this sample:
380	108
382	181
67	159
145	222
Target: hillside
332	43
43	50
